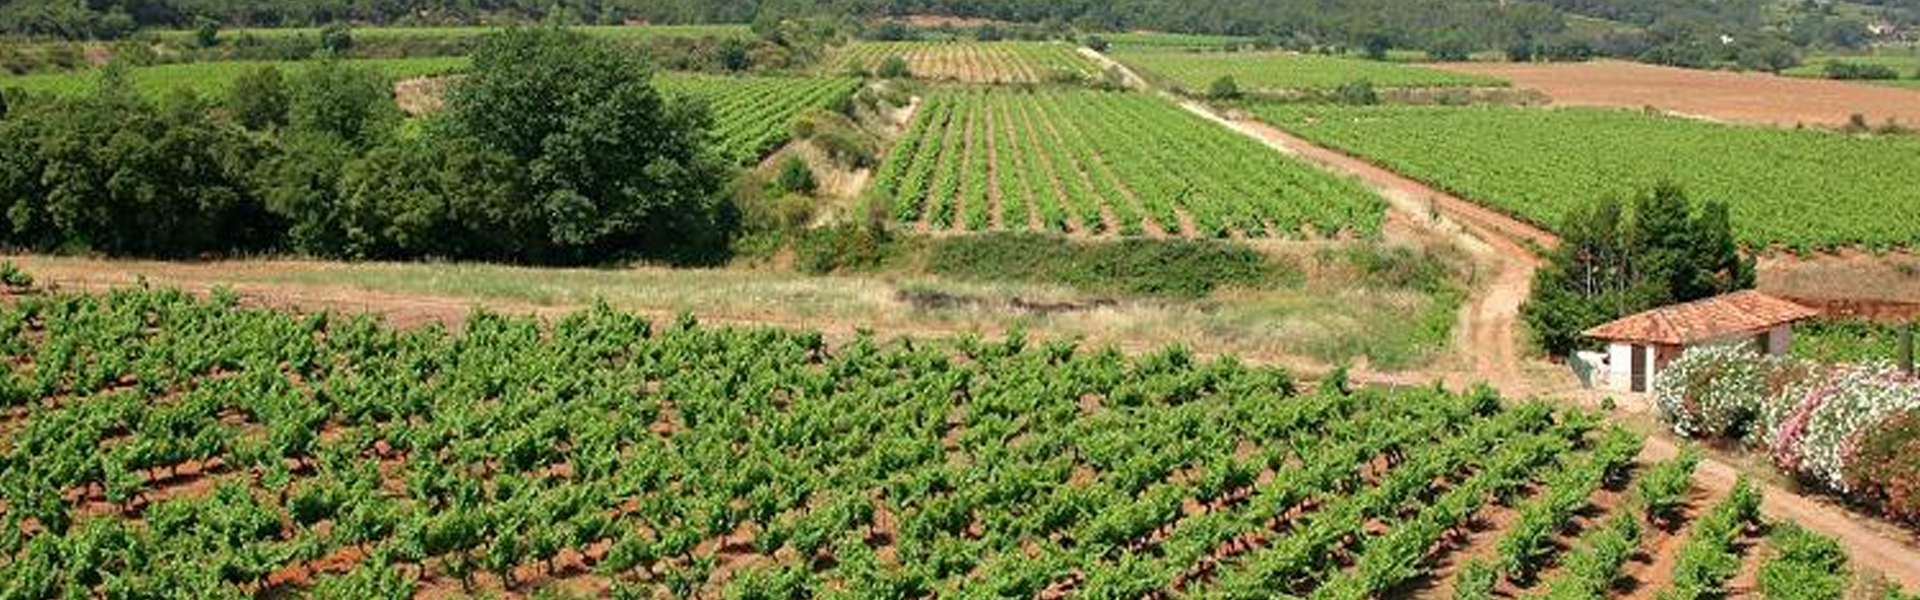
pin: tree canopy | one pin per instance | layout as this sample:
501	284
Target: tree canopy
555	148
1611	264
1441	25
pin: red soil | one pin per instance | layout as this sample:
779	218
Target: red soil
1739	97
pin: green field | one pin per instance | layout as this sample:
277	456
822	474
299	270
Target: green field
971	62
1905	63
1149	40
1281	71
753	115
210	79
1101	162
392	33
197	449
1802	189
1854	342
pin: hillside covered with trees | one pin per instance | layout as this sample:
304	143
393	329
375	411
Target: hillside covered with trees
1686	29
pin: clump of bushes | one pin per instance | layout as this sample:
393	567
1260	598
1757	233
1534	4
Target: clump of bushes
893	67
1177	268
794	177
1826	418
1356	93
848	246
1850	429
1854	71
839	137
1224	88
1717	392
1885	471
13	278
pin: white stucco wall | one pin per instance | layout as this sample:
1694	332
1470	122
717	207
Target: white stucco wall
1616	373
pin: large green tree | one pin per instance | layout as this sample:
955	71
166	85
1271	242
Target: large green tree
1610	264
606	163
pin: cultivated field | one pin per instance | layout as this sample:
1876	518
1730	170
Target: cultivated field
753	116
1802	189
1721	95
1104	162
971	62
211	79
1282	71
1147	40
191	448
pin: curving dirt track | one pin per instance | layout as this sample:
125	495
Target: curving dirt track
1490	325
1719	95
1490	329
1492	338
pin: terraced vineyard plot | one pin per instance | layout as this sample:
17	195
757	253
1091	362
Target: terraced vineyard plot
267	454
753	115
1195	72
1105	163
973	62
1803	189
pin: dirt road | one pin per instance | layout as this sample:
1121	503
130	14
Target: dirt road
1489	327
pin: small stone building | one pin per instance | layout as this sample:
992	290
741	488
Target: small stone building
1640	346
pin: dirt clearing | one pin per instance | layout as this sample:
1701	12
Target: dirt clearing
1718	95
1848	284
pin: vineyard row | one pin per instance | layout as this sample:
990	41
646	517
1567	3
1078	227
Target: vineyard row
996	62
754	115
1105	163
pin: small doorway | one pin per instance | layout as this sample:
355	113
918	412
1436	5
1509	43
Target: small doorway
1639	366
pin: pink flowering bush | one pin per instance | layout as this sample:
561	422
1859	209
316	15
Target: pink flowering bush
1814	421
1824	427
1884	468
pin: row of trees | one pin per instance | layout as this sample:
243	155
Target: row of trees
1487	24
781	45
555	148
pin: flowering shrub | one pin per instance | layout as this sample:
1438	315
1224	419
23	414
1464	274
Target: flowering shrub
1885	466
1821	432
1713	391
1852	429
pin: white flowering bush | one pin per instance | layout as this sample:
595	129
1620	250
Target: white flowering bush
1713	391
1821	430
1811	419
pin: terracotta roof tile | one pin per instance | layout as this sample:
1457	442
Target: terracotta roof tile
1702	320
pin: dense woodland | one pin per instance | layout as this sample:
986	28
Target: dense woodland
1677	31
